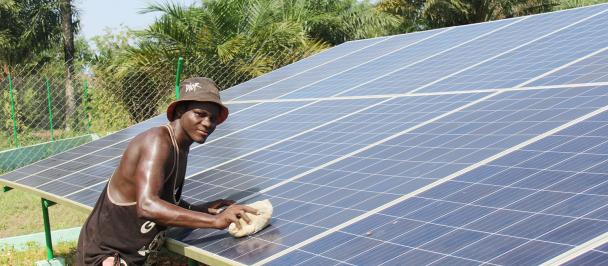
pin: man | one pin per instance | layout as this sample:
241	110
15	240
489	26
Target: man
142	197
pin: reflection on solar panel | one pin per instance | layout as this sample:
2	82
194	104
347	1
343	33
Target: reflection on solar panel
479	144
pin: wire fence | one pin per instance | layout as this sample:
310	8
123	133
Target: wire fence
46	109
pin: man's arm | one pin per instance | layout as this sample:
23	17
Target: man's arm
207	207
149	178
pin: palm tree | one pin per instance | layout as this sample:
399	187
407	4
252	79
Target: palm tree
248	37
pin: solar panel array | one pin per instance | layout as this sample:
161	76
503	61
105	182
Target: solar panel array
478	144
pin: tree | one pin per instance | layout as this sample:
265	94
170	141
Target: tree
27	27
565	4
335	22
68	30
445	13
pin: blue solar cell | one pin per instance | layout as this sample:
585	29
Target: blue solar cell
378	254
463	216
449	261
487	248
589	259
420	235
497	220
414	257
592	69
576	232
535	226
533	252
293	258
453	241
350	248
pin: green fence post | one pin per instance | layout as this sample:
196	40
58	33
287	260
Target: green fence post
192	262
180	64
86	105
10	91
6	188
47	227
48	96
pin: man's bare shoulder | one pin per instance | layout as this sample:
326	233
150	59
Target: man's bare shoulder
152	139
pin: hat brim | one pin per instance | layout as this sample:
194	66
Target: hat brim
220	119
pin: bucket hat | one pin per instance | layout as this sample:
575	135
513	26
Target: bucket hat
198	89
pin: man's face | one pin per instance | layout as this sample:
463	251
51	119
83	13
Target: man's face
199	120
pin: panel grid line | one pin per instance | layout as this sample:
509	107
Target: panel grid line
418	94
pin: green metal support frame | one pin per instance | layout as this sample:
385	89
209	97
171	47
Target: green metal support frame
47	227
6	188
48	97
86	105
178	73
192	262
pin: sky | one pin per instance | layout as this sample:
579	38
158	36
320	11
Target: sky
97	15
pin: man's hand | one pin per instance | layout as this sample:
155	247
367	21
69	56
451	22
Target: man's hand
210	207
215	206
232	214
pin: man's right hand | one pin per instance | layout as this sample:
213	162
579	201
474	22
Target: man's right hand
232	214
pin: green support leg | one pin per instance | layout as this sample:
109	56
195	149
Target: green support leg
50	105
47	227
86	105
178	73
6	189
192	262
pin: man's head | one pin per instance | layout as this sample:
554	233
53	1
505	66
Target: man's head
199	107
198	119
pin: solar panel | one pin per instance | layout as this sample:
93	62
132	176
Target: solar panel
478	144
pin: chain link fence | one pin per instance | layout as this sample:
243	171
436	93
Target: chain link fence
45	112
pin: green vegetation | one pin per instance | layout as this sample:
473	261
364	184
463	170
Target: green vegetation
22	214
34	253
67	250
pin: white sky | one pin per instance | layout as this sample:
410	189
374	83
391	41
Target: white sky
97	15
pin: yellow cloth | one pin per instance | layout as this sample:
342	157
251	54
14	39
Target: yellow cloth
258	222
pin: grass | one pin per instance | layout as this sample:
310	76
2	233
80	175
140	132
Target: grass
67	250
34	253
22	214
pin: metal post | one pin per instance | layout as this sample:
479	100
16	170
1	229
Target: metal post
180	64
10	90
6	189
48	96
47	227
192	262
86	104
